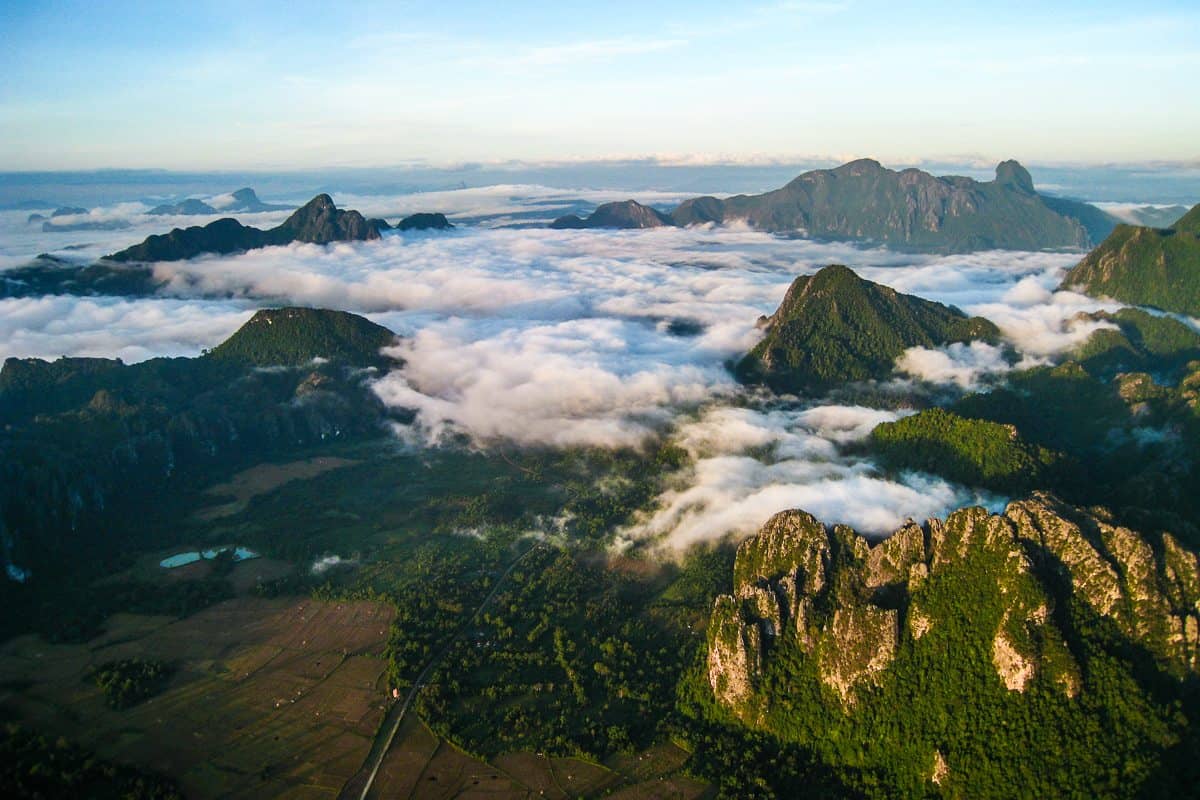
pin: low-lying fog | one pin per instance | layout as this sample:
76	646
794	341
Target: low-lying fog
559	338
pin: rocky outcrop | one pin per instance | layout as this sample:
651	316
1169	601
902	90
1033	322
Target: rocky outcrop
628	214
829	595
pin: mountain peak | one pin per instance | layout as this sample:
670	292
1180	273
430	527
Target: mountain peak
1011	173
835	326
245	195
622	214
293	336
860	166
321	202
319	221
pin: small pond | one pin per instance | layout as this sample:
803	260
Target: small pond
192	556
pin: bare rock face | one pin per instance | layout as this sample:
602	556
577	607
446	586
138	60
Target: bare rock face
779	576
854	607
734	652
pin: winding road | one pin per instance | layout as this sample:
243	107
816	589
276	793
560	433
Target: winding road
359	786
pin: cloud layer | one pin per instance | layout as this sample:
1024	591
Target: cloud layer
560	338
751	463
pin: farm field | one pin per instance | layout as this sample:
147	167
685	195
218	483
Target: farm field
269	698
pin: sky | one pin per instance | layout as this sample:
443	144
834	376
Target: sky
213	84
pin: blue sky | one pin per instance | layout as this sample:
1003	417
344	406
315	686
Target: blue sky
259	85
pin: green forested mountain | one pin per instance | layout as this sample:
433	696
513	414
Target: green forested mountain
1042	652
1157	267
834	327
912	209
973	452
1139	342
295	336
1115	426
82	439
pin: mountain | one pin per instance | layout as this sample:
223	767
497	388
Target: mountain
945	655
295	336
1151	216
244	201
85	439
223	236
912	210
187	207
424	222
48	274
1138	341
626	214
834	327
1157	267
317	222
971	452
88	225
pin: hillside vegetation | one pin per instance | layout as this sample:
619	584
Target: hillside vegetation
834	327
1157	267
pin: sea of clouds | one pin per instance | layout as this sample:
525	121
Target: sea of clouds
531	336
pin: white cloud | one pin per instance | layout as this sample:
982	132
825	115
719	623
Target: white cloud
556	338
133	330
595	382
964	365
752	463
1048	328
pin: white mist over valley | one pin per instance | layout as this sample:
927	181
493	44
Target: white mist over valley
524	336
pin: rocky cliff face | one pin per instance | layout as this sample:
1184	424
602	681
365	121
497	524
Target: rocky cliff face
830	598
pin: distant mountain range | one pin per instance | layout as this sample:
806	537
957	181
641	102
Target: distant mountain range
910	210
245	201
834	327
625	214
1150	216
1157	267
318	221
